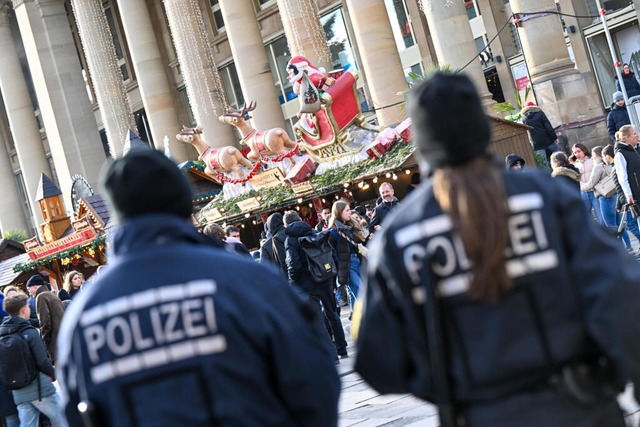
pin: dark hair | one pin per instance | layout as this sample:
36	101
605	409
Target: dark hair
231	229
214	231
597	150
608	151
14	304
474	196
290	217
582	148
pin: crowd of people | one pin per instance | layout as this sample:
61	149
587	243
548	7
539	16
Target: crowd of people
475	293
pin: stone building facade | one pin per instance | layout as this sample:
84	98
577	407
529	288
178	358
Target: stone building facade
76	75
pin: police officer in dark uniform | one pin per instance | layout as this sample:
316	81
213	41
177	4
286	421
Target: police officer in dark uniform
538	307
178	332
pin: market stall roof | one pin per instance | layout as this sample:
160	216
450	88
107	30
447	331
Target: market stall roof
46	188
270	199
7	274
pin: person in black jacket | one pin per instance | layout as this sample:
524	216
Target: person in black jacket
514	162
272	249
194	335
525	316
40	395
386	203
618	116
630	83
543	137
299	276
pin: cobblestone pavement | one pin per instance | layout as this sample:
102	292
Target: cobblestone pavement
361	406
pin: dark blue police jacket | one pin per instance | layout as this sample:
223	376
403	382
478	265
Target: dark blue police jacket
178	333
575	296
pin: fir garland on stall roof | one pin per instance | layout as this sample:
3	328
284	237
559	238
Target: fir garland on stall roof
332	180
65	257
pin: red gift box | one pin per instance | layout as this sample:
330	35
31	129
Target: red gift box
404	130
301	171
383	143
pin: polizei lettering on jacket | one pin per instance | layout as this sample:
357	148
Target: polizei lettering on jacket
151	328
528	250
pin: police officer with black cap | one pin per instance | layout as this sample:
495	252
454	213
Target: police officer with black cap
535	323
178	332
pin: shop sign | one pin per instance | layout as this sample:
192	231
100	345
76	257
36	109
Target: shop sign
302	187
31	244
267	179
249	204
212	214
62	244
81	224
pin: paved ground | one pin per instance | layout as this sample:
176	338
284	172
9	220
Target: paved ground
361	406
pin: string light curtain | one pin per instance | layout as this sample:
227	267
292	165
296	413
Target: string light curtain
203	83
304	31
100	52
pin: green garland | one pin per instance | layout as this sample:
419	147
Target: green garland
275	197
76	250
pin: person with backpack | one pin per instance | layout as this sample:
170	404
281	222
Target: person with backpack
25	367
311	266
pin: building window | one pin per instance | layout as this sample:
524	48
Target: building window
217	15
339	46
115	27
187	106
231	84
400	24
470	8
26	204
278	54
52	168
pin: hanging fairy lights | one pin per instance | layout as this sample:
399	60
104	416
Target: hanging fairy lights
203	83
313	42
100	52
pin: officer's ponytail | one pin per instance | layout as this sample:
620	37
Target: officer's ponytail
473	195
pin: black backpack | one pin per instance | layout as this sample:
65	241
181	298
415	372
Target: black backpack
17	366
319	256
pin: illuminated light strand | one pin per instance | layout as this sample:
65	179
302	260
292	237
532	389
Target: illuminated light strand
314	35
198	68
106	76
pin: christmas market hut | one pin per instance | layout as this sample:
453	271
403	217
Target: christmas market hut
67	243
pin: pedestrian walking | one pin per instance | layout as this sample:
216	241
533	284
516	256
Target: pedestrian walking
618	116
542	135
512	330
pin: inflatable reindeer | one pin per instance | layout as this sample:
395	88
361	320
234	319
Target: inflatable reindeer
223	159
268	142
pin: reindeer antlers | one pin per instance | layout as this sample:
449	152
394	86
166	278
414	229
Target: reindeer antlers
234	112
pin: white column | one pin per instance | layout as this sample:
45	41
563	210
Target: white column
204	86
97	43
453	41
543	42
22	121
251	62
11	214
67	113
379	56
151	75
301	22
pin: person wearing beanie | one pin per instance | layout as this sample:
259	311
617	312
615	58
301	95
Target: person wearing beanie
49	310
542	135
484	285
630	82
514	162
183	331
618	116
